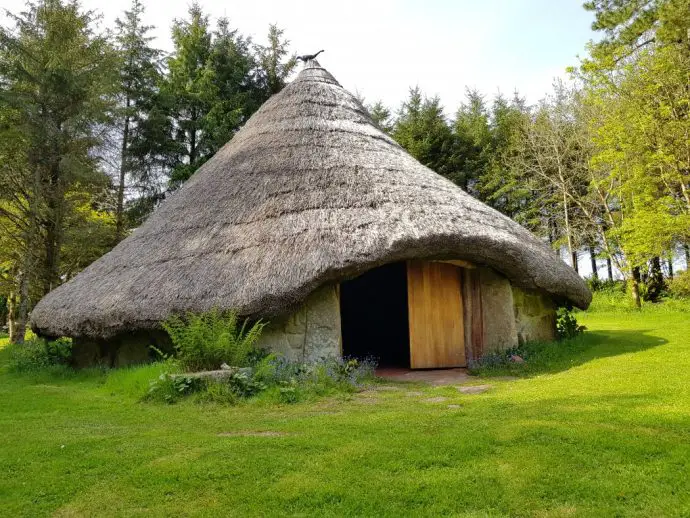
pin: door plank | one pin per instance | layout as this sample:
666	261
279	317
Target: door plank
437	335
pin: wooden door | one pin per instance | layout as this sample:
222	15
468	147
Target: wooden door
437	333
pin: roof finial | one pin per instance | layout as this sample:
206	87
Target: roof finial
308	57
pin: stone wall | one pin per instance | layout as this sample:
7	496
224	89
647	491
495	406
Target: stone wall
512	315
535	316
311	332
497	311
119	351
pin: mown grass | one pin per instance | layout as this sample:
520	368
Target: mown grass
599	427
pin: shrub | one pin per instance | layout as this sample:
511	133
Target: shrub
282	379
245	384
169	388
566	323
679	286
37	353
605	285
206	341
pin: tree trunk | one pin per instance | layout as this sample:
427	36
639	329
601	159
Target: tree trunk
635	287
609	268
20	309
655	281
53	231
51	270
593	260
573	252
686	248
11	314
119	211
670	267
573	259
192	140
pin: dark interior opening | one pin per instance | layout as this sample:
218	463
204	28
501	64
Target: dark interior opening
374	320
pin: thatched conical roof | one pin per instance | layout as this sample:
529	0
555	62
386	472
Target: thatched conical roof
309	191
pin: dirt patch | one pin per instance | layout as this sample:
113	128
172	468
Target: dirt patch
435	377
414	394
454	406
475	389
265	433
385	388
437	399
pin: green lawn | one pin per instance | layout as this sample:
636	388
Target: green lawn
600	429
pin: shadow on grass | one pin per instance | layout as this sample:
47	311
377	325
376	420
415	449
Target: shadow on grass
553	357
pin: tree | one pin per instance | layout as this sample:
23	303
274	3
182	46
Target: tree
421	128
555	153
18	221
631	25
502	183
58	85
275	63
382	116
139	76
216	80
188	92
473	139
636	79
235	96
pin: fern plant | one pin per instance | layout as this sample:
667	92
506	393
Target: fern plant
205	341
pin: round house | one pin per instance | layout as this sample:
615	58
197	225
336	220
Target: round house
316	221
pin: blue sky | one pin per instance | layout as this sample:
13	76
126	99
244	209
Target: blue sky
380	48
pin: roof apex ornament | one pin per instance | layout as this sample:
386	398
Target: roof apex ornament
308	57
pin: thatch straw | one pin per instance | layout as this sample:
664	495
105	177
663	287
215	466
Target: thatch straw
308	192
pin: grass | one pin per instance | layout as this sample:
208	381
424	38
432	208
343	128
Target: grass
599	427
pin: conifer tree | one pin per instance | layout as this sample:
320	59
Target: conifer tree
422	129
58	84
139	76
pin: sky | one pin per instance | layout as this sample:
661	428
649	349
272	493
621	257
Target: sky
381	48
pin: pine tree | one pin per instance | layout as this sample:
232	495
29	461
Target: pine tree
382	116
58	83
422	129
275	64
139	76
502	184
188	91
216	80
230	70
473	137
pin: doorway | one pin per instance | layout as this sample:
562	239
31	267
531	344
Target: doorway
374	316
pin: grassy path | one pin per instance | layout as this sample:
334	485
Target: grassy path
601	429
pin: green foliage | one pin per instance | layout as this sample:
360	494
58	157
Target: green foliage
217	392
636	85
679	286
382	116
473	140
58	84
421	128
566	324
206	341
38	354
216	80
273	379
607	285
170	388
245	384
